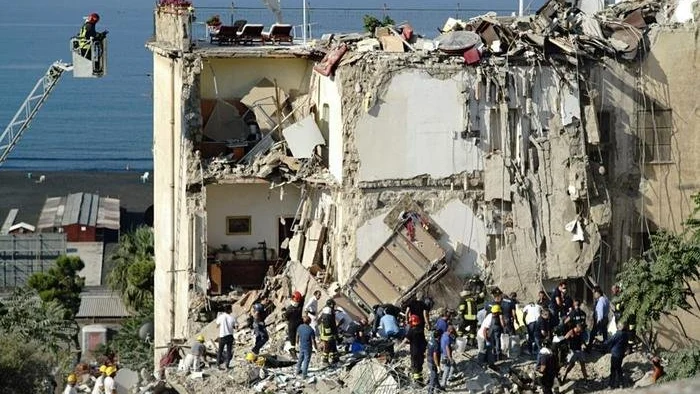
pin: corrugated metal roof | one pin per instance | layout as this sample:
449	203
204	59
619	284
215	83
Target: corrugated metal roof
86	209
101	305
50	216
108	215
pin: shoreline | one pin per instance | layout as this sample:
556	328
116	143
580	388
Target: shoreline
18	190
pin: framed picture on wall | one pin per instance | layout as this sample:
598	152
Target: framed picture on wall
238	225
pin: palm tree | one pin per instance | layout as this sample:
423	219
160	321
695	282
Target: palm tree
132	275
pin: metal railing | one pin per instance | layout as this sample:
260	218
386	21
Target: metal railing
323	20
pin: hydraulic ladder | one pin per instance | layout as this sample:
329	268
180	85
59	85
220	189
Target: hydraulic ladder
31	105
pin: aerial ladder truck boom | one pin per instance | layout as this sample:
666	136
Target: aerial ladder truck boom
31	105
82	67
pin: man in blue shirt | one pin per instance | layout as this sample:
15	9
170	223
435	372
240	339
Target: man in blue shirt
446	360
434	362
443	322
306	341
617	345
600	316
388	327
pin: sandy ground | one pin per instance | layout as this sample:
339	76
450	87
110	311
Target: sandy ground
17	190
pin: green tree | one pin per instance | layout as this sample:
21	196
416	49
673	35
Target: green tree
371	22
134	264
658	283
24	366
30	318
61	283
133	351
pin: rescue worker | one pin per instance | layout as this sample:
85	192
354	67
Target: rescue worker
467	312
531	312
617	346
600	316
71	380
418	308
110	385
547	366
86	36
259	327
311	309
618	308
443	321
417	345
99	386
434	363
544	330
293	315
226	323
496	329
508	306
447	340
575	340
328	333
196	356
576	316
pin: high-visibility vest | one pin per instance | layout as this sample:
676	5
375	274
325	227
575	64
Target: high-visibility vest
83	40
468	309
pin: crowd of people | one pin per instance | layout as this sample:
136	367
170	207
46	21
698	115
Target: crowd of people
557	331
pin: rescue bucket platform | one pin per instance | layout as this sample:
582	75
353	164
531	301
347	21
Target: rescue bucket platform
89	63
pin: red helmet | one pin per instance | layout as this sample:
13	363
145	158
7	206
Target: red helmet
296	296
414	321
93	18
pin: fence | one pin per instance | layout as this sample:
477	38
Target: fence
323	20
25	254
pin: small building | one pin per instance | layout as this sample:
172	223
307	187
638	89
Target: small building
21	228
84	217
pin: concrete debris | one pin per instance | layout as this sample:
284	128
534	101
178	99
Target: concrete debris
303	137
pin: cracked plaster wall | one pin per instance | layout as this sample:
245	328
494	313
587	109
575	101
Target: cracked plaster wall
507	109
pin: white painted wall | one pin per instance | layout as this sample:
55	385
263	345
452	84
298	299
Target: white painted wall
256	200
236	76
329	93
165	110
370	236
461	225
411	130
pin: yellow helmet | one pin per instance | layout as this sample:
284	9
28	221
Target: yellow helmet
200	338
103	368
110	370
495	308
250	357
72	379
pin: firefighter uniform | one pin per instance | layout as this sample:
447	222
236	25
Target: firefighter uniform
328	333
467	312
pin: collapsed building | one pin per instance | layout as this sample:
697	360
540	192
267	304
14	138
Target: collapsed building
522	150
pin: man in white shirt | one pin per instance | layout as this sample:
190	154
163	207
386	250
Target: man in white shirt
70	385
482	334
226	324
110	386
531	312
311	309
99	387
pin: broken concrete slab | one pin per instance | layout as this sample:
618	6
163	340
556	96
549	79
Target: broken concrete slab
315	237
303	137
225	123
592	130
496	178
367	45
392	44
267	102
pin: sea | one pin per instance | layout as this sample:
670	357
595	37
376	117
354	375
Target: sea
106	124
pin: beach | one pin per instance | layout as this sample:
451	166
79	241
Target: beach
18	190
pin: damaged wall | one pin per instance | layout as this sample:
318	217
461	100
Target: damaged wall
414	129
171	279
330	120
236	76
426	134
265	207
